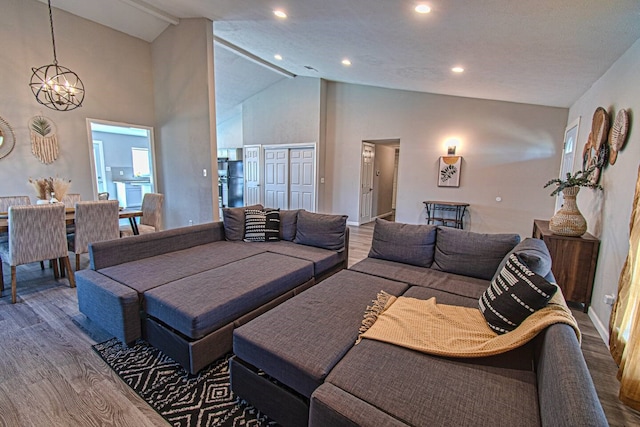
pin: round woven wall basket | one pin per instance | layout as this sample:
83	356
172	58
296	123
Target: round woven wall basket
568	221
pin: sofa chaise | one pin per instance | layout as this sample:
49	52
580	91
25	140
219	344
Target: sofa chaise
184	290
298	362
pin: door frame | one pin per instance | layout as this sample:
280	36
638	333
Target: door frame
362	183
152	148
567	161
260	171
103	169
312	145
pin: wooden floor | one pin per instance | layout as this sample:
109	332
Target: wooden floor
50	376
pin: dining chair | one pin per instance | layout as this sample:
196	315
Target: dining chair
70	200
7	201
36	233
95	221
151	220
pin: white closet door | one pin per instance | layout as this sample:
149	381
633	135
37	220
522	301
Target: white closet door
302	189
252	175
276	178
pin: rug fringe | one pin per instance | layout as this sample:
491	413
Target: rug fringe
372	312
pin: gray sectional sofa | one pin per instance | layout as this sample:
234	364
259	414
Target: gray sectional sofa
298	362
185	290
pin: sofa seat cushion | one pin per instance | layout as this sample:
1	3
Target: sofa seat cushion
471	254
299	341
424	277
443	391
204	302
148	273
323	259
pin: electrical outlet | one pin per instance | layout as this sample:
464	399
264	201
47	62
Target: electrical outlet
190	222
609	299
204	172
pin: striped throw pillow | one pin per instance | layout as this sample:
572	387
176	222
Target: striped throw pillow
261	226
515	293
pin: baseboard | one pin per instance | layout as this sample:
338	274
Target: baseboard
602	330
384	215
354	223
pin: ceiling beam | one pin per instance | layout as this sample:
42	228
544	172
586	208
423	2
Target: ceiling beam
251	57
152	10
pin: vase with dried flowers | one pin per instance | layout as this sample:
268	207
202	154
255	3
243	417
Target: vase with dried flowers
568	221
50	189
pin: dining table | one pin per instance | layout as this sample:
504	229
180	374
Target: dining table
70	217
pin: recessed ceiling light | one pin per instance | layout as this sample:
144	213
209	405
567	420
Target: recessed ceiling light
423	8
278	57
280	14
346	62
457	69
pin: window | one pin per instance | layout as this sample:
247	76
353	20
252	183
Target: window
140	160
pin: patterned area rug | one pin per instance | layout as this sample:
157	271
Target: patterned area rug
185	400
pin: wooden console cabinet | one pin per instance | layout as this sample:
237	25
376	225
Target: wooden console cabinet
573	261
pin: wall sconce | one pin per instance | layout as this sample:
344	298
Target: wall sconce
451	150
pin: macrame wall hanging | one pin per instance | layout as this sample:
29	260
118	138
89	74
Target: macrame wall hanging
44	142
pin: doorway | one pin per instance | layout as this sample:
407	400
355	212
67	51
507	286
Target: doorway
122	159
568	155
378	179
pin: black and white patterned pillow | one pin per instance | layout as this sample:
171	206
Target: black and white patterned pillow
515	293
261	226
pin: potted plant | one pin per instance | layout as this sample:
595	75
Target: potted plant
568	221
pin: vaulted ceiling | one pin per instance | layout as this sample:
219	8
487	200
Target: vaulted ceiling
545	52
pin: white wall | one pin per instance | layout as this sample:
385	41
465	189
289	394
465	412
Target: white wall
229	132
115	69
509	150
608	213
185	114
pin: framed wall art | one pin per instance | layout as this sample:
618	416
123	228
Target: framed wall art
449	171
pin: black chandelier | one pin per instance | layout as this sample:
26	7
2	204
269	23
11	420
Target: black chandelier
55	86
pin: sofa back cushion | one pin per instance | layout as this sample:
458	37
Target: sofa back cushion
288	224
406	243
233	219
321	230
471	254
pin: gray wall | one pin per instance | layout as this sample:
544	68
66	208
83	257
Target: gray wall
185	115
608	213
116	71
509	150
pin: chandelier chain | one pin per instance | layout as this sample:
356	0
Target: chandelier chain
53	38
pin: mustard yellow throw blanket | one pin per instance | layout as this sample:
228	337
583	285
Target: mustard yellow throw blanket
453	331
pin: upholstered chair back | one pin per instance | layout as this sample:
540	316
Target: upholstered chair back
36	233
152	210
70	200
95	221
7	201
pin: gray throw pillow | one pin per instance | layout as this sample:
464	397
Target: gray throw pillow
534	253
288	223
321	230
515	293
471	254
406	243
233	221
